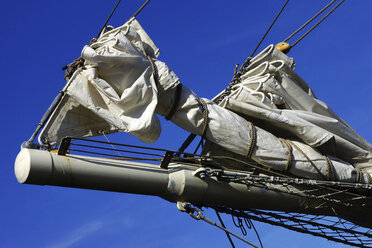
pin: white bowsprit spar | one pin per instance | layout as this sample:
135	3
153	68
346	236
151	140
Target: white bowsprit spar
266	137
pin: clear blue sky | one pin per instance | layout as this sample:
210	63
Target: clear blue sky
201	41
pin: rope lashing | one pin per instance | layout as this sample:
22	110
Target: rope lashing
205	117
369	177
176	99
331	174
253	139
307	158
289	153
358	177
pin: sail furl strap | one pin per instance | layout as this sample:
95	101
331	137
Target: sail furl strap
331	174
308	159
289	153
176	99
369	178
358	178
205	117
154	70
253	139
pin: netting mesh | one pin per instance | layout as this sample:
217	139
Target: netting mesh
331	228
338	198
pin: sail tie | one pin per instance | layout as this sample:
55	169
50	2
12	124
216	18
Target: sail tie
331	175
253	139
289	153
308	159
177	97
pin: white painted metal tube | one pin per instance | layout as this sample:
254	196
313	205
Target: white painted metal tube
176	183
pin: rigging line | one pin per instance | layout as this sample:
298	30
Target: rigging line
311	19
119	150
140	9
255	230
275	219
320	21
223	225
200	216
267	31
112	144
104	25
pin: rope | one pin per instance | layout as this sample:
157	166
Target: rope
177	96
330	169
308	159
154	70
113	147
198	215
267	31
235	79
359	137
79	62
289	153
253	137
205	117
311	19
108	18
140	9
223	225
320	21
72	67
369	178
204	124
358	178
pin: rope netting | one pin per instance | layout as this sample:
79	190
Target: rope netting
331	228
339	197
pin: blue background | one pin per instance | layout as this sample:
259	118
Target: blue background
201	41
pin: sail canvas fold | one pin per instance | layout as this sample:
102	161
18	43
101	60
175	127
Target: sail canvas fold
116	91
116	86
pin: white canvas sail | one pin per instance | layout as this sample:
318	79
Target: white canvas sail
116	87
272	102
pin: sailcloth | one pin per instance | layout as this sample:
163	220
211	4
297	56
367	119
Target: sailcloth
114	92
272	116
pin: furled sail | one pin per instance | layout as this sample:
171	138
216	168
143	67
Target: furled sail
271	116
115	91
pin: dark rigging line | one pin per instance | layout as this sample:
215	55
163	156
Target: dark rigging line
267	31
104	25
223	225
321	20
255	230
140	9
311	19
